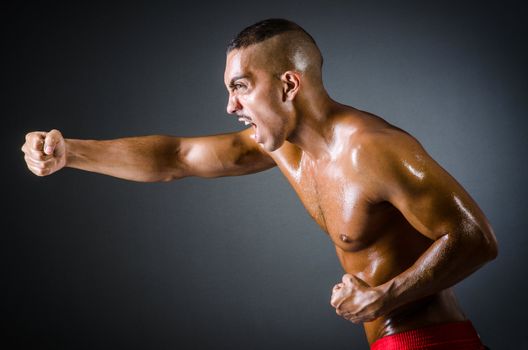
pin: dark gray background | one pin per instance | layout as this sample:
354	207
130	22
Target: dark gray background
93	262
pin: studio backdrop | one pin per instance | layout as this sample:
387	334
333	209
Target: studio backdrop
94	262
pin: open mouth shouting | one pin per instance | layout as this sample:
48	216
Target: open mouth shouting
247	121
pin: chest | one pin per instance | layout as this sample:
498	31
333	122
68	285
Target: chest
340	201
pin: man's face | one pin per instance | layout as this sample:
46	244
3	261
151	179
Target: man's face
256	97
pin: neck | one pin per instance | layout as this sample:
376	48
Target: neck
313	132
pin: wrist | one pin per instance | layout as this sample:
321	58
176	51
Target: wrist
390	296
67	152
71	152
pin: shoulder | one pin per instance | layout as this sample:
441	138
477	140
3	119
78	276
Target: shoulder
374	142
384	155
396	167
388	144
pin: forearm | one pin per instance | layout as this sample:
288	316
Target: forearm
145	159
448	260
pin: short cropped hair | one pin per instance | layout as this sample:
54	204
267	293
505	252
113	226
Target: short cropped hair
263	30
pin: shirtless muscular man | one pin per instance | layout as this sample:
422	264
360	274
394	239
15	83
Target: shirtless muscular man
404	230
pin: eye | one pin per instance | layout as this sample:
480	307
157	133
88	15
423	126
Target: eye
238	86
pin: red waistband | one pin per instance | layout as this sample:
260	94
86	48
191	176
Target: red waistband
449	336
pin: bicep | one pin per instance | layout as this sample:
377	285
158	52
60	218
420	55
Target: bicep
431	200
222	155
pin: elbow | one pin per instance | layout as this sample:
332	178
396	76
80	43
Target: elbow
169	174
490	242
168	162
492	249
488	248
478	246
159	172
162	173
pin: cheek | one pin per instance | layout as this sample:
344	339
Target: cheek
266	109
268	99
249	99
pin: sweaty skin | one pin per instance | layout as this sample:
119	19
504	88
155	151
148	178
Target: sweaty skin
396	218
404	230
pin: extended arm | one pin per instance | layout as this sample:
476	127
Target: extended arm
147	158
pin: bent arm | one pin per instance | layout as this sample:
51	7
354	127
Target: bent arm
438	207
164	158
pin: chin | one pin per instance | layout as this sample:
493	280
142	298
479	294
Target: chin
271	140
273	144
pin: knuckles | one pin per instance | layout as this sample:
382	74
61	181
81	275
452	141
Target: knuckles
32	136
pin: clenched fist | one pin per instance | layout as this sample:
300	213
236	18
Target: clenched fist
356	301
44	152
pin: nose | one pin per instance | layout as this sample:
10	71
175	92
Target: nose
233	105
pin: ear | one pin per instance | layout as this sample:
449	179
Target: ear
291	82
